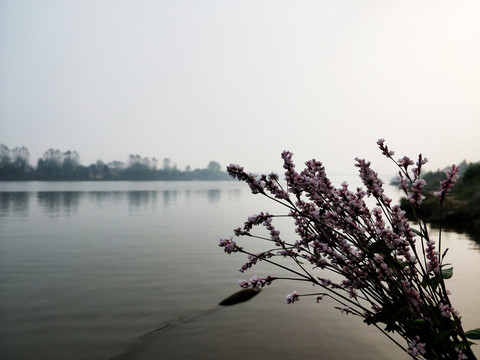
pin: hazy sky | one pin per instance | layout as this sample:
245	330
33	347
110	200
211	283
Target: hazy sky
239	81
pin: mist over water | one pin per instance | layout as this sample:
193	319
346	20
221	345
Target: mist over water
88	267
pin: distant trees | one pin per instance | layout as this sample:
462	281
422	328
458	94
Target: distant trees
461	211
14	163
211	172
55	165
99	171
472	173
58	165
214	166
167	164
139	168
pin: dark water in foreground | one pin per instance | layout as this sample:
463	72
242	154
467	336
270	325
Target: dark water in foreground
87	268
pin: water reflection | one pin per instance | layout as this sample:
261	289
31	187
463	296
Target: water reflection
14	203
99	197
142	199
472	233
169	196
234	193
59	203
214	195
67	203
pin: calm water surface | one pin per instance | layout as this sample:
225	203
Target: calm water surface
86	268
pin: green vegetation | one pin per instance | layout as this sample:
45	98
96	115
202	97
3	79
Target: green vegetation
461	209
55	165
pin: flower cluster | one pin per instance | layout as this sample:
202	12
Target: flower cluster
416	347
256	282
416	196
447	311
229	245
447	184
253	258
386	278
292	297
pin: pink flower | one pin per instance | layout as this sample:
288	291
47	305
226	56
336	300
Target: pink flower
292	297
447	311
415	347
229	245
370	178
253	258
384	148
461	355
344	310
432	256
256	281
447	184
416	197
237	172
405	162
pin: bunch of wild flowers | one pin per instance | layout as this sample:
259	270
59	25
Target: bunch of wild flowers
386	278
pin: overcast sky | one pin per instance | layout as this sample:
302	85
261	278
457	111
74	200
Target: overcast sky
239	81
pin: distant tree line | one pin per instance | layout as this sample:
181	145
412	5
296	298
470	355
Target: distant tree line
56	165
461	210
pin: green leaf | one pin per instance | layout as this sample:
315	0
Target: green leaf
417	232
473	334
379	247
240	296
447	273
441	336
430	281
393	263
462	345
425	282
389	315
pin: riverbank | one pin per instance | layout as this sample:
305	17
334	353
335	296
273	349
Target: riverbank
460	210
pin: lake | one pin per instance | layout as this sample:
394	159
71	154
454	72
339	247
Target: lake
87	268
